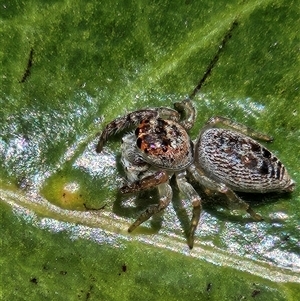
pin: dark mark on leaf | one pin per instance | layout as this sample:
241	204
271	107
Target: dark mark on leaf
28	68
208	288
34	280
255	293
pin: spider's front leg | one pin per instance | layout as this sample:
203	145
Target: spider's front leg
193	196
132	119
159	179
187	109
148	182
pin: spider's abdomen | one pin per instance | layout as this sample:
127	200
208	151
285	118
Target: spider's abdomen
240	162
164	144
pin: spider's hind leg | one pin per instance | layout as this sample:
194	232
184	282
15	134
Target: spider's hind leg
187	109
213	121
233	201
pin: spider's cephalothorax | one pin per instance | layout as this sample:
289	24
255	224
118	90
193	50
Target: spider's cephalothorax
223	160
164	144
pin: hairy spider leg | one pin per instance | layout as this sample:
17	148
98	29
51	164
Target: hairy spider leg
233	201
166	193
188	112
132	119
236	126
153	180
191	193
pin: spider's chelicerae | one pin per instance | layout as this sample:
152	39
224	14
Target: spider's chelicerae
222	160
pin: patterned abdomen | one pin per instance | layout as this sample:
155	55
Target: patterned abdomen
240	162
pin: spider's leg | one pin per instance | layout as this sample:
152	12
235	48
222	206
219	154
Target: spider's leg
188	111
153	180
122	123
167	113
165	192
133	119
233	201
191	193
236	126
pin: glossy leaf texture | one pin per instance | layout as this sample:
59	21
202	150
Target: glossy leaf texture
68	68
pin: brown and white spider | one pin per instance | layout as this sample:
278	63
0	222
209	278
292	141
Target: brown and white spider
222	160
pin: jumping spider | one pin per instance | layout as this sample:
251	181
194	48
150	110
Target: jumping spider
222	160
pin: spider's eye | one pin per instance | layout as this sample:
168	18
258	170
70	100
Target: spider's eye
142	144
139	142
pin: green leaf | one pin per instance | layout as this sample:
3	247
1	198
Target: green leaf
68	68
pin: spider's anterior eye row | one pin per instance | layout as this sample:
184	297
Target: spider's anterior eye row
141	144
